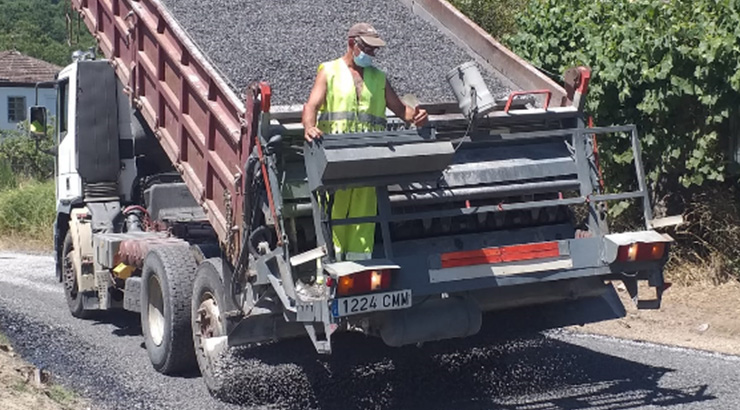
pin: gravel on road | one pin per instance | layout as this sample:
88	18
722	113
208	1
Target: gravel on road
104	360
284	41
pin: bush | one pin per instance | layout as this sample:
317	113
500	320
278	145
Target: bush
497	17
8	179
24	156
707	244
671	68
28	211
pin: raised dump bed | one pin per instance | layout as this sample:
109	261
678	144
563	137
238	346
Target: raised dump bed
185	65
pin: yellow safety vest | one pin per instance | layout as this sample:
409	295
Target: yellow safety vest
341	111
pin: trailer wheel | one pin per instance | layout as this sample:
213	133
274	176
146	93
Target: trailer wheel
208	323
166	286
69	278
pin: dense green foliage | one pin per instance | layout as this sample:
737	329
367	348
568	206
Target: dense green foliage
38	28
497	17
672	68
8	179
25	157
27	206
28	210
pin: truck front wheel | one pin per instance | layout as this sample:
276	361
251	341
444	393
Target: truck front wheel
166	288
69	278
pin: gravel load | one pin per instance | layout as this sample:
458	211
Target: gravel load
284	41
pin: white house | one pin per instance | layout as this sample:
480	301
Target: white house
19	75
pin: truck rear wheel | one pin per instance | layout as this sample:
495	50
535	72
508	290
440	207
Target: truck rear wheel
69	278
208	322
166	287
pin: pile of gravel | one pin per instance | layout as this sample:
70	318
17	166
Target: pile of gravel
364	373
284	41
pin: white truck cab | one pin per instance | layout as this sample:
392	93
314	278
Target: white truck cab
68	181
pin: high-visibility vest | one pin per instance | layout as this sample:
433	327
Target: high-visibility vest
341	111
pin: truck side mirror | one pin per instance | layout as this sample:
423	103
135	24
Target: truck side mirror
37	122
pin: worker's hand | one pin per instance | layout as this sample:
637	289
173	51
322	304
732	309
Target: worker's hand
312	133
420	117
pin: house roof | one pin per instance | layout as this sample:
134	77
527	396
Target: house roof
19	68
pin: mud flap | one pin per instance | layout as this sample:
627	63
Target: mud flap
656	281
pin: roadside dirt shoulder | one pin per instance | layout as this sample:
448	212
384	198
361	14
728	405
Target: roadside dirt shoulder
698	317
23	387
24	244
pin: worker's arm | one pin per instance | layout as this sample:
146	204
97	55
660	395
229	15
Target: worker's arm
416	115
315	101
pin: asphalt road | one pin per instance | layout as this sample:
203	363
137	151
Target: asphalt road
104	360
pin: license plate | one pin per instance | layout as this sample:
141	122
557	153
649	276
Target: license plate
371	303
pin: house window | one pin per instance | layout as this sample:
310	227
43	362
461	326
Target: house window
16	109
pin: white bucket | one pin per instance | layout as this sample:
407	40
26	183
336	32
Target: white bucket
464	79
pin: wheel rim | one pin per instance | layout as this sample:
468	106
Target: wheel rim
207	325
70	275
209	318
155	311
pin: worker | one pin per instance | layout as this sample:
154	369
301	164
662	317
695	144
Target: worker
351	95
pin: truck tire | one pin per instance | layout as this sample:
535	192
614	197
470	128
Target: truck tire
166	288
208	321
69	279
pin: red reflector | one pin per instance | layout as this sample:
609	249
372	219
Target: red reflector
364	282
498	255
641	252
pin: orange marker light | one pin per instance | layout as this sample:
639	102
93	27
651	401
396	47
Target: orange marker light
364	282
345	285
641	252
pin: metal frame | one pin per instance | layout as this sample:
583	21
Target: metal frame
579	138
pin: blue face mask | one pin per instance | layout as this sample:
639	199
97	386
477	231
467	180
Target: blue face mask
363	60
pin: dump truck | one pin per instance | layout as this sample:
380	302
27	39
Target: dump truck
186	193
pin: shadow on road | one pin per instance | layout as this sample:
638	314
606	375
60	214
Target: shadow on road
509	365
126	323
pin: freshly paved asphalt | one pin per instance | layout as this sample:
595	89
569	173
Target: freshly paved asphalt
105	360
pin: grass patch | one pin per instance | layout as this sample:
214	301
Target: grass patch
8	179
4	340
62	396
27	213
20	387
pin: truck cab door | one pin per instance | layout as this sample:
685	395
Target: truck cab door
69	184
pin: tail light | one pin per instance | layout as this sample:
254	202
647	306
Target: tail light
641	252
364	282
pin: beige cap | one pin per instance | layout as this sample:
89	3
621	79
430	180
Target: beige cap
367	34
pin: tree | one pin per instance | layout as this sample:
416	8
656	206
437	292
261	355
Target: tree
38	28
672	68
